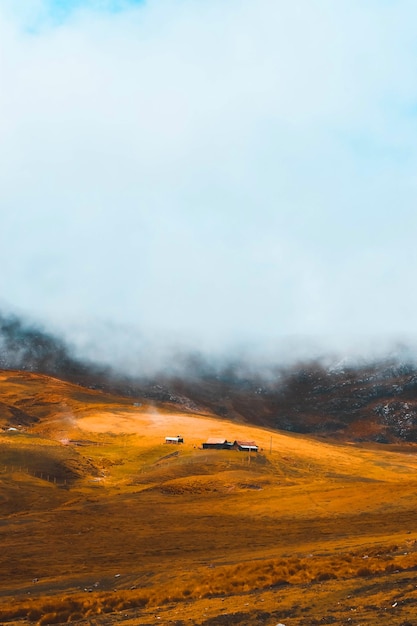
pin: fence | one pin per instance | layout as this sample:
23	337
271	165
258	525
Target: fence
41	474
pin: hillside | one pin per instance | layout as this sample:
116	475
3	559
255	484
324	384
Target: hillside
103	522
374	402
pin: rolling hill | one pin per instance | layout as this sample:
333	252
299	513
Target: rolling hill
103	522
363	401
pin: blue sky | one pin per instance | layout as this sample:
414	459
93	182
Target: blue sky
36	14
213	172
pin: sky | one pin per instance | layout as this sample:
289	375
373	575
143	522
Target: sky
210	172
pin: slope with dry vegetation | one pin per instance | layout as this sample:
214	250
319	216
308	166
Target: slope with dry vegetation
103	522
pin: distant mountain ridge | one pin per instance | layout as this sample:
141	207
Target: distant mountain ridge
371	402
377	402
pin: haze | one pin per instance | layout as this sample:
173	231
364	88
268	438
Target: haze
223	171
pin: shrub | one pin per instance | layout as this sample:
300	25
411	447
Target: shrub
322	576
363	571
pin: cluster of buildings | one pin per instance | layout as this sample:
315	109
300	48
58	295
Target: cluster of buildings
219	443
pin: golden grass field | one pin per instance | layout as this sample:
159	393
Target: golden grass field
102	522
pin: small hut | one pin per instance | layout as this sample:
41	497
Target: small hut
177	439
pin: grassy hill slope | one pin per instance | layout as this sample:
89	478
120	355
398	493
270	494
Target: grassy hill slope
103	522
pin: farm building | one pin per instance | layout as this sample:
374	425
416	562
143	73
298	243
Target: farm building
245	446
177	439
217	443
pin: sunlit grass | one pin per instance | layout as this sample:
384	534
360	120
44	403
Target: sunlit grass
185	524
220	581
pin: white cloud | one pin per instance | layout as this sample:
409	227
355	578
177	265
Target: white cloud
220	168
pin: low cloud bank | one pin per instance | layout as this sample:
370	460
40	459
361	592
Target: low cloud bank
124	353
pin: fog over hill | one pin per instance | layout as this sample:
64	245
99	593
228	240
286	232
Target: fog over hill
361	400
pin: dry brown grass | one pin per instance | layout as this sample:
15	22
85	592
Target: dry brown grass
223	581
296	527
